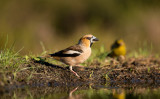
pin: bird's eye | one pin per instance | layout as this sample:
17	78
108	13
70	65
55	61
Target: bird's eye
89	38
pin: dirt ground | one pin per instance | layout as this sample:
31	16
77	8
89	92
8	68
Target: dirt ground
130	72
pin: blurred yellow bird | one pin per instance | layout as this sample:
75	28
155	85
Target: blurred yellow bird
118	48
119	94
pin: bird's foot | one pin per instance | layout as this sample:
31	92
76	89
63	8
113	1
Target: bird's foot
75	73
70	67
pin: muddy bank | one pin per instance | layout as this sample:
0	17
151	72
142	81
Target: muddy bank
132	71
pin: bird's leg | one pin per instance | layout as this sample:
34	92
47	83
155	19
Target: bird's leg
70	93
70	67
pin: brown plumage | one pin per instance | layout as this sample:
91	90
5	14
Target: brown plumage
76	54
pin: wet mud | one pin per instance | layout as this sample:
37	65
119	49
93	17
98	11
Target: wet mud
113	73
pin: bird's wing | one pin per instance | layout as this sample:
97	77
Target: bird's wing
71	51
113	46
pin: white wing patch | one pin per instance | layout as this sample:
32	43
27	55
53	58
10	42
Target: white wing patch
72	52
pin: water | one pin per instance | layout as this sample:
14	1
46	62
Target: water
81	92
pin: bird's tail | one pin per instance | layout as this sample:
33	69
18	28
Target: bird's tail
46	56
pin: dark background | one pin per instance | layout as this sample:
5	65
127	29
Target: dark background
60	23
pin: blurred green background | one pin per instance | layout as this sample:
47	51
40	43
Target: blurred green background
60	23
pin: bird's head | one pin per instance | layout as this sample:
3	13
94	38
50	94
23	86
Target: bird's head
120	42
87	40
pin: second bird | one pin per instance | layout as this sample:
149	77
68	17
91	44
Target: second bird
118	48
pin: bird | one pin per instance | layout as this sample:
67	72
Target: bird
118	48
76	54
119	93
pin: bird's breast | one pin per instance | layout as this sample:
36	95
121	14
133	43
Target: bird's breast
84	56
120	51
77	59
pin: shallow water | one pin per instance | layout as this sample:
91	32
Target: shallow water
81	92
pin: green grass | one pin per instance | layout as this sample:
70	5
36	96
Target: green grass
8	57
144	51
12	62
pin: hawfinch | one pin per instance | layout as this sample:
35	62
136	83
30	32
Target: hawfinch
75	54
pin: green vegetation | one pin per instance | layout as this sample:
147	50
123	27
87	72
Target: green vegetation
10	59
145	50
12	63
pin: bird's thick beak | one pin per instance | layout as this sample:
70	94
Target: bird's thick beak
95	39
